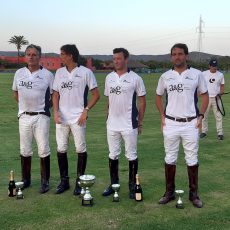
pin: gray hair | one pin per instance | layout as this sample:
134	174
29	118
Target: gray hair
38	48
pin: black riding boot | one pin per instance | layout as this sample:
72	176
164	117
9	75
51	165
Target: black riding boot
81	166
63	169
133	168
114	178
26	171
45	174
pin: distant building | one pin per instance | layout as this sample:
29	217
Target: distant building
48	62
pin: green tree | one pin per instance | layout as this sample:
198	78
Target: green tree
19	41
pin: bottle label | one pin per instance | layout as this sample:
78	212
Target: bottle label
138	196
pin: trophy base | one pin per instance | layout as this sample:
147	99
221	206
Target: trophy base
20	197
180	206
116	199
87	202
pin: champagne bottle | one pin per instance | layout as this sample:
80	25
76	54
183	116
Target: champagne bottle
12	187
138	190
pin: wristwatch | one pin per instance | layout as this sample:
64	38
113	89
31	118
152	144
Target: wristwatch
87	108
201	115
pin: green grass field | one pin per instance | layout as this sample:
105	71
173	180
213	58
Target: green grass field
50	211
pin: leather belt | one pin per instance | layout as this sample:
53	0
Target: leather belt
187	119
34	113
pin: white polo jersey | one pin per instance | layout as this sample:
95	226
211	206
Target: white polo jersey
214	81
33	89
122	92
181	92
73	90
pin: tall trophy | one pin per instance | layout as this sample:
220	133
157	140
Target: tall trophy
19	194
116	188
179	194
86	181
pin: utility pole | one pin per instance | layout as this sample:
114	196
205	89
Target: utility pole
200	32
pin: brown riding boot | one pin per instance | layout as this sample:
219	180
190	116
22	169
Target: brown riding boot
81	166
26	171
45	174
193	186
170	171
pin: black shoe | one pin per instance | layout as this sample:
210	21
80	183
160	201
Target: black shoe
62	187
26	184
108	191
220	137
202	135
44	188
77	190
131	191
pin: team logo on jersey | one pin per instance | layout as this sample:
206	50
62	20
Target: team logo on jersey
178	88
126	81
27	84
189	78
39	77
67	85
211	80
116	90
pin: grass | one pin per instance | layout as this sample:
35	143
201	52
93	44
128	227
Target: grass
50	211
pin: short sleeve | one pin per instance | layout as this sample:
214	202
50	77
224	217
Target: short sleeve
106	91
202	85
140	87
91	80
55	82
51	81
222	79
160	86
14	86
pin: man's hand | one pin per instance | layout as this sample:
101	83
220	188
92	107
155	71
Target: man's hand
57	117
140	129
199	122
83	118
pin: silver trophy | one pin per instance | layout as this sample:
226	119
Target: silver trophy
87	181
19	194
180	194
116	188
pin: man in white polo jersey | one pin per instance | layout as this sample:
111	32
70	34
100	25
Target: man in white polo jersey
32	88
181	119
71	108
122	87
215	83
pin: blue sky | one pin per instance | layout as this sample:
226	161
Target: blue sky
98	26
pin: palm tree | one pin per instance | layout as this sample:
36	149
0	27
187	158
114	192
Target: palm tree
19	41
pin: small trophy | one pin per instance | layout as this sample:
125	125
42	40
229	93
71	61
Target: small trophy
87	181
179	203
116	188
19	194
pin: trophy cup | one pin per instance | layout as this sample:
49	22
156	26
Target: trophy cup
116	188
19	194
87	181
179	203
